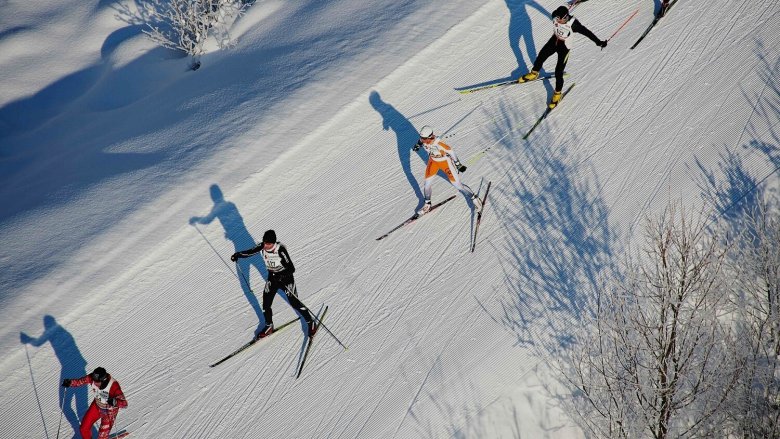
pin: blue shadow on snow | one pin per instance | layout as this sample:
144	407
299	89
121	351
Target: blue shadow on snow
72	365
236	232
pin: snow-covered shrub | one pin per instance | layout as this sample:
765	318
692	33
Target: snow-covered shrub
754	265
186	24
656	358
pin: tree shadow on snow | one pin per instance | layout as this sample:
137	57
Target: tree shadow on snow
559	245
732	190
236	232
72	365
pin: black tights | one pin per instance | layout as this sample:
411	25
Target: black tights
271	287
554	45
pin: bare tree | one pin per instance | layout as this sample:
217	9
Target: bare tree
754	263
655	359
186	24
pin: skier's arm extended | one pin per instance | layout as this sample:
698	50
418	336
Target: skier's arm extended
247	253
581	29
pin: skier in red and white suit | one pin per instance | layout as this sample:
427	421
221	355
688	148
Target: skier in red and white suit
441	157
107	402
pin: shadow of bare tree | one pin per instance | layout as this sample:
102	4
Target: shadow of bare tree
560	243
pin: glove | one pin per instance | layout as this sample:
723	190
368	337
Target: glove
417	146
461	167
234	257
603	44
66	382
112	401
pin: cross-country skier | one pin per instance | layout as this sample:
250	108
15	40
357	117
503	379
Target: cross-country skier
560	43
108	400
280	276
441	157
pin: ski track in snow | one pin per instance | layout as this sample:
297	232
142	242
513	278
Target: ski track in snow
442	342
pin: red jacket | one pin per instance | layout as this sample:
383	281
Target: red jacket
115	392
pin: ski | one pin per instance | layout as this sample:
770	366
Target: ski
481	87
479	217
308	345
415	217
119	434
547	112
252	342
660	15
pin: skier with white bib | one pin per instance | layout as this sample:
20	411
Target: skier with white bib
560	42
441	157
108	400
280	277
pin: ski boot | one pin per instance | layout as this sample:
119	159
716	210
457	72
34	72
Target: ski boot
477	203
313	327
268	330
556	97
425	209
533	74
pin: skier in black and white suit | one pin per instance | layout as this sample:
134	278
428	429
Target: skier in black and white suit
564	25
280	277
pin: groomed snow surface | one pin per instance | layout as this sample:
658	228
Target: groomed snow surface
109	146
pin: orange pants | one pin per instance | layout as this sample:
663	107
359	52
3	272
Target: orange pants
450	171
107	418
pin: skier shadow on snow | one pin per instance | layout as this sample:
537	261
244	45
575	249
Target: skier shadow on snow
559	243
520	26
406	136
236	232
72	365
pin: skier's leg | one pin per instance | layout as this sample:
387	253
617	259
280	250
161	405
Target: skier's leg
430	172
107	418
563	58
92	415
454	176
268	299
547	50
292	296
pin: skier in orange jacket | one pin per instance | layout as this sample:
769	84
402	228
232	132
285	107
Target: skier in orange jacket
441	157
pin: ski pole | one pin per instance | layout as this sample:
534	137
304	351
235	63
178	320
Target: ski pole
623	25
223	260
238	267
35	389
314	316
62	405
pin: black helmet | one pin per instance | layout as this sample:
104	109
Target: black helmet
269	236
99	374
560	12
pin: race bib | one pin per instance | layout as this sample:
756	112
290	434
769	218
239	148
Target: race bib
562	31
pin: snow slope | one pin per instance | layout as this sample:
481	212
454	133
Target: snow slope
108	147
